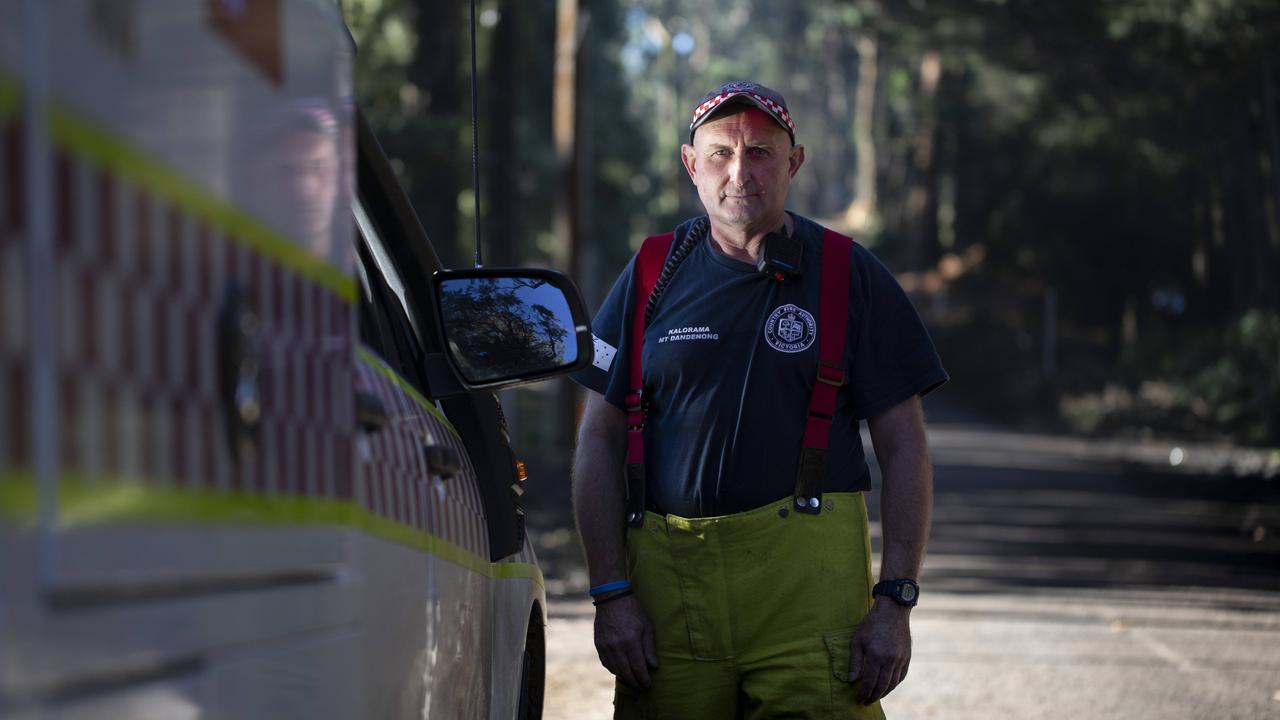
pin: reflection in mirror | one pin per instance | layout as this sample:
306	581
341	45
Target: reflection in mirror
506	327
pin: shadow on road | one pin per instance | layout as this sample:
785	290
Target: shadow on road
1017	510
1066	578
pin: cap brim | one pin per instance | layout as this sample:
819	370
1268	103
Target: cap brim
740	98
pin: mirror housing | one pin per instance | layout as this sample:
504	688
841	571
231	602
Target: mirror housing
502	327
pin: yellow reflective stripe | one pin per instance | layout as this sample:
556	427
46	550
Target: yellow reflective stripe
8	98
76	133
102	500
512	570
17	495
385	370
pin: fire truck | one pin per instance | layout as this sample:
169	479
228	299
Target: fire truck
251	462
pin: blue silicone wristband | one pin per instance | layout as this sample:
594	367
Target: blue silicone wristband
609	587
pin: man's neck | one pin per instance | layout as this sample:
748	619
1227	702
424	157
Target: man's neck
746	244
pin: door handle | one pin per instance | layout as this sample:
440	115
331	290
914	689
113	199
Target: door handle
371	413
442	460
238	366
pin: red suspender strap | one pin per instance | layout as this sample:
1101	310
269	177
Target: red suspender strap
833	317
648	266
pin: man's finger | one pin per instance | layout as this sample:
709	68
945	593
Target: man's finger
624	672
650	647
867	684
895	678
879	688
609	659
636	664
855	659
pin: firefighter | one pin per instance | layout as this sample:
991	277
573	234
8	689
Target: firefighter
735	360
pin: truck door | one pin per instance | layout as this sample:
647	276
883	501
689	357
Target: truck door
427	595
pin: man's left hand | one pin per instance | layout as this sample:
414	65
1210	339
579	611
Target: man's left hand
880	650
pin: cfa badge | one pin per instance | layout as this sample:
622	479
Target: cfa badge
790	329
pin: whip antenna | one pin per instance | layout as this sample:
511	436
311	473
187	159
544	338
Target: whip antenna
475	134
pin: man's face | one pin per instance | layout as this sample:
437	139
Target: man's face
311	180
742	165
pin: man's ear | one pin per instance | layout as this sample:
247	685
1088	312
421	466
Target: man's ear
689	157
796	160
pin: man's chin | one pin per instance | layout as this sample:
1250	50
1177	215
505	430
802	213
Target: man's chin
742	217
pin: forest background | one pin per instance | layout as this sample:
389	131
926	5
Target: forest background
1082	198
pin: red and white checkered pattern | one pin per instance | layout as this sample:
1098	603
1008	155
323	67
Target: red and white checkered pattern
396	481
139	286
138	290
775	109
15	340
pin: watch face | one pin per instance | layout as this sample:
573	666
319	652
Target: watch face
907	591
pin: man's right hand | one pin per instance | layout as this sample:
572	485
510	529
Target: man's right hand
624	641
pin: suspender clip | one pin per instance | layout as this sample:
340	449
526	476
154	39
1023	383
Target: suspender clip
813	468
635	401
830	374
635	495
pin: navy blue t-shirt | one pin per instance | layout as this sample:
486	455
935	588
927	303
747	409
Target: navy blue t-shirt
730	359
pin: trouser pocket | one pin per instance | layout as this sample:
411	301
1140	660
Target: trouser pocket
843	693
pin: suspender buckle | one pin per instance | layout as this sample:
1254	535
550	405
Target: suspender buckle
636	404
830	374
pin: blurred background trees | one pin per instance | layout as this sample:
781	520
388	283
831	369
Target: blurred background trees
1082	197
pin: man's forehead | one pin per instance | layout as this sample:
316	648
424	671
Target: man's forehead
752	122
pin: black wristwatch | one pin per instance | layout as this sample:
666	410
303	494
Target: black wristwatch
904	591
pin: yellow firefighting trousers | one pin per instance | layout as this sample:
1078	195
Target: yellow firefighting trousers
752	612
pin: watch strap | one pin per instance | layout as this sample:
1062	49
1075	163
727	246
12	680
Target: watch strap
893	589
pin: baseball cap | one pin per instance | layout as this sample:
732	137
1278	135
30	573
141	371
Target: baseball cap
733	93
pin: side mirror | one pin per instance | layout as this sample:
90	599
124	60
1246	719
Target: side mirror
505	327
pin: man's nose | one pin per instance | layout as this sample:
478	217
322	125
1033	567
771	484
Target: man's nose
739	171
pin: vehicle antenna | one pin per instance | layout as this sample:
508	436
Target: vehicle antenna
475	134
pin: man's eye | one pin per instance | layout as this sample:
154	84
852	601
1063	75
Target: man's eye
760	152
720	153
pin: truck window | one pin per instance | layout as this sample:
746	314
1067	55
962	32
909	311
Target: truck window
386	325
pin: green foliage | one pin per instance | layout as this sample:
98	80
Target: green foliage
1113	150
1233	376
1217	382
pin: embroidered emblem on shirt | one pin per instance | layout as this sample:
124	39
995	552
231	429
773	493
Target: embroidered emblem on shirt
604	353
790	329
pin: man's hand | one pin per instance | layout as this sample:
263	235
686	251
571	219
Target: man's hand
624	641
880	651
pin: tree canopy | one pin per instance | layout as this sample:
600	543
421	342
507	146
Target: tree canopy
1079	194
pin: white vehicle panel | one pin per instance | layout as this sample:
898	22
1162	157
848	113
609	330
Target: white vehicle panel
157	568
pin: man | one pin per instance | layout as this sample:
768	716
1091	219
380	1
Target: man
723	598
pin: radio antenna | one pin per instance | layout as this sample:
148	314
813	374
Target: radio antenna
475	135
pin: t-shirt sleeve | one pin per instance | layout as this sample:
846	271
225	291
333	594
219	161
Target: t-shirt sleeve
609	372
893	356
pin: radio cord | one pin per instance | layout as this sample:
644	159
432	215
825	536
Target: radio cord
696	234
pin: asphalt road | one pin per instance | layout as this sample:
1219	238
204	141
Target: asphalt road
1065	579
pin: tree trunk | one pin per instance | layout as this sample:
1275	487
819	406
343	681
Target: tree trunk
922	198
566	222
1271	197
863	207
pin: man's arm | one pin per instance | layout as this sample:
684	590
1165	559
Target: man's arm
881	649
624	636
